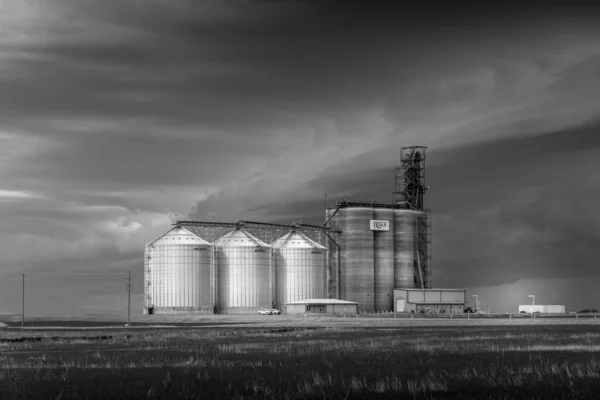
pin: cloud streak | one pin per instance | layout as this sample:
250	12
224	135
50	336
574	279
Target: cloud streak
116	116
17	195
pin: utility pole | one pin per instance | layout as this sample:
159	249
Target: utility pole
23	303
129	289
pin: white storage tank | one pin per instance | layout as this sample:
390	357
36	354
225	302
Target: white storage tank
178	274
300	269
243	273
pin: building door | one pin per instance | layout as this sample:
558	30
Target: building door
399	305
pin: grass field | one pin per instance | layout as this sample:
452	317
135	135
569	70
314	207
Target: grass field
500	362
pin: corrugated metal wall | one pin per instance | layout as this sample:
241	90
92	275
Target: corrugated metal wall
243	279
300	274
178	277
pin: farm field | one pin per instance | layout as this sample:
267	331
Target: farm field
389	319
305	359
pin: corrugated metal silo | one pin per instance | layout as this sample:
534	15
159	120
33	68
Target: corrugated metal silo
404	248
384	261
299	268
244	273
357	266
178	274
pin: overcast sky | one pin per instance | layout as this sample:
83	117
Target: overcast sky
118	116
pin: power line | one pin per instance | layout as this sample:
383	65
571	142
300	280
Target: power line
23	304
128	277
129	287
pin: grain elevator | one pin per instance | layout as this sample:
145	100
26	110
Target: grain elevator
361	254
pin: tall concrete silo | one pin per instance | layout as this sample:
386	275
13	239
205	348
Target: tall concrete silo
357	267
384	261
300	269
244	273
178	274
405	248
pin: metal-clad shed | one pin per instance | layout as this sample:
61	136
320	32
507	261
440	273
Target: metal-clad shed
322	306
541	308
430	301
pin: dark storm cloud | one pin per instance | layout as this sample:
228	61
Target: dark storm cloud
518	208
301	54
503	210
116	115
139	160
257	66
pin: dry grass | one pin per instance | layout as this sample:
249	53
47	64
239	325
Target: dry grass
501	362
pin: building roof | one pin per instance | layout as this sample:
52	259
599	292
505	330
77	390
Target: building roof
541	305
432	290
323	301
179	235
239	237
296	240
433	303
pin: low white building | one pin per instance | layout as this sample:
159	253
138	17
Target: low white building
544	309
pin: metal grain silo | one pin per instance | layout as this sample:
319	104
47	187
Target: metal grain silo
300	269
384	261
404	248
357	263
178	274
244	273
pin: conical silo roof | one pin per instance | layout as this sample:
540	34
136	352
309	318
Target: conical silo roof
296	240
239	238
179	235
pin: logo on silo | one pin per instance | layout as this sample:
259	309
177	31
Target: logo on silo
377	225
